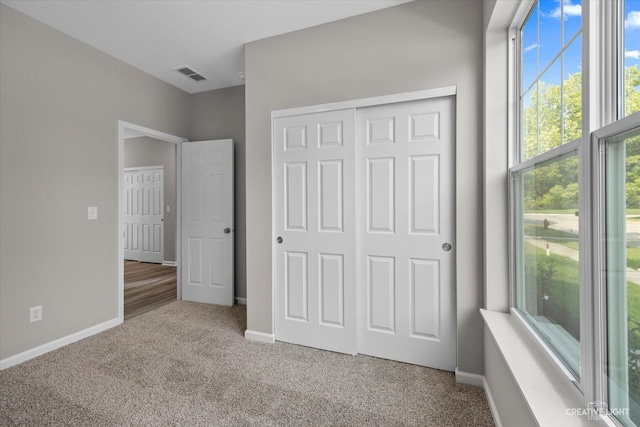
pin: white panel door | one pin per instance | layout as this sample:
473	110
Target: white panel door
207	222
131	216
314	226
151	215
406	290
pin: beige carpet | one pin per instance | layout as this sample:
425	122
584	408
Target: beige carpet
189	364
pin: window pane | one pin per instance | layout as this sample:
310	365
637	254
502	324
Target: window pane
623	276
550	109
551	76
547	271
530	50
572	91
550	36
572	19
631	50
530	123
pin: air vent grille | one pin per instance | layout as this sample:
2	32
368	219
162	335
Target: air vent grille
189	72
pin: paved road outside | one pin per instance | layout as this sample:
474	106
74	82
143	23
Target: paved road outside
569	223
633	276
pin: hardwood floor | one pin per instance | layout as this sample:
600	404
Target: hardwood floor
147	287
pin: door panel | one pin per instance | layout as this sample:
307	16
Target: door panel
130	216
207	249
152	215
406	170
143	216
314	214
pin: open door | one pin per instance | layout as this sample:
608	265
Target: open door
207	222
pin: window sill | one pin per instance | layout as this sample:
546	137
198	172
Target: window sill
547	395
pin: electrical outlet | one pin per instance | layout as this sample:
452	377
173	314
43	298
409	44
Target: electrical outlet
92	212
168	208
35	314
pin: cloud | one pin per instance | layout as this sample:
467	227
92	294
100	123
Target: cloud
635	54
632	20
528	48
570	10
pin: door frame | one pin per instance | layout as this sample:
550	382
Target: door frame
320	108
127	130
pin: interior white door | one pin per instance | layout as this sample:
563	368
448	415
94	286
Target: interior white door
406	257
131	215
314	226
143	217
207	222
152	215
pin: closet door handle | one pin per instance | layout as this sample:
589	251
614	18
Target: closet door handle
227	230
279	240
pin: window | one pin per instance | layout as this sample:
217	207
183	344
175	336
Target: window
551	77
548	270
575	196
631	48
545	183
621	165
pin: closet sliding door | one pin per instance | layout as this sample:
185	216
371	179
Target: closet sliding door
314	225
406	298
364	238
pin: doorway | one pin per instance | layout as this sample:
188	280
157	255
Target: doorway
150	285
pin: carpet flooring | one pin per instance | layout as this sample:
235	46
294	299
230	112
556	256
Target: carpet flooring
188	364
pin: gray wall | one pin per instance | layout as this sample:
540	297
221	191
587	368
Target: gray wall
60	105
219	114
145	151
419	45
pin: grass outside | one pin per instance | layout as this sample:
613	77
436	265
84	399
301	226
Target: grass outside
561	287
570	211
561	284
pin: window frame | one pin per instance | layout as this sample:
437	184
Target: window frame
599	140
602	117
580	386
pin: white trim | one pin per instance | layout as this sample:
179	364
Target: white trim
53	345
259	336
492	403
241	301
469	378
367	102
170	263
123	129
140	168
545	393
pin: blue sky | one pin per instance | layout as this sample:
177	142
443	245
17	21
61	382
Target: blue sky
632	32
542	39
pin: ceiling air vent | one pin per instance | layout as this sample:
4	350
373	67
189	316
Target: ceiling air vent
190	73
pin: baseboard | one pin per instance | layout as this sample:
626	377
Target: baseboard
259	336
469	378
53	345
492	403
170	263
242	301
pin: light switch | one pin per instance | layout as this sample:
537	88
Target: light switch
168	208
93	212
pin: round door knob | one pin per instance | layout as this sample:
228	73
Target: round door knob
279	240
227	230
446	247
